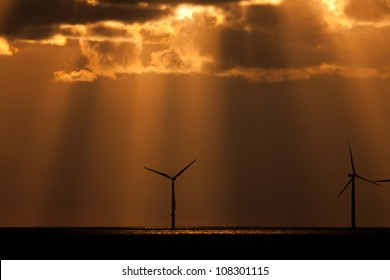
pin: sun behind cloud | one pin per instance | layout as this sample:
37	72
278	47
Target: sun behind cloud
335	6
184	12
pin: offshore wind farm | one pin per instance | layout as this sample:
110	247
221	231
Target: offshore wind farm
266	94
200	241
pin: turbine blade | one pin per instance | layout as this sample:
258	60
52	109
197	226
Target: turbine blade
372	182
350	180
385	180
158	172
184	169
350	154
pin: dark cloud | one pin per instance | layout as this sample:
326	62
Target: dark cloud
103	62
170	59
364	10
36	19
250	49
293	34
296	34
170	2
107	31
264	16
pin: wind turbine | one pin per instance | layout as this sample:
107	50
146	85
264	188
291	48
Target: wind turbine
353	175
173	189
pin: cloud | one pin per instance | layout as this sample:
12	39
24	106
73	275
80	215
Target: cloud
363	10
293	34
29	20
5	48
297	74
74	76
169	45
186	2
55	40
188	47
39	19
262	40
108	59
170	2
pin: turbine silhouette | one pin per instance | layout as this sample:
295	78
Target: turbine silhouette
353	175
173	208
385	180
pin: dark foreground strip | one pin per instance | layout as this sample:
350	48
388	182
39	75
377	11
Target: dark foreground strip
47	243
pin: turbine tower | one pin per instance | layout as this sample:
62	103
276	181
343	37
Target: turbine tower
353	175
173	208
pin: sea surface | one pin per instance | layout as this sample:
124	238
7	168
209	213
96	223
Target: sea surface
194	243
231	230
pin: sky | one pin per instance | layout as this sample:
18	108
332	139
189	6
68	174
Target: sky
265	94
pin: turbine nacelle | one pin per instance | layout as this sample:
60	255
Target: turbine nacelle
351	175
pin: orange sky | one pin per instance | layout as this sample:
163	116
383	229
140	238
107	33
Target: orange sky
265	94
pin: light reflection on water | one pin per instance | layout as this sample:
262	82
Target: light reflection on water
239	231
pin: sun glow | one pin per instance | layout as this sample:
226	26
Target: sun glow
187	12
334	14
184	12
335	6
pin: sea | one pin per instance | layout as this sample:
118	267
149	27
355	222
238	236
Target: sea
220	243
